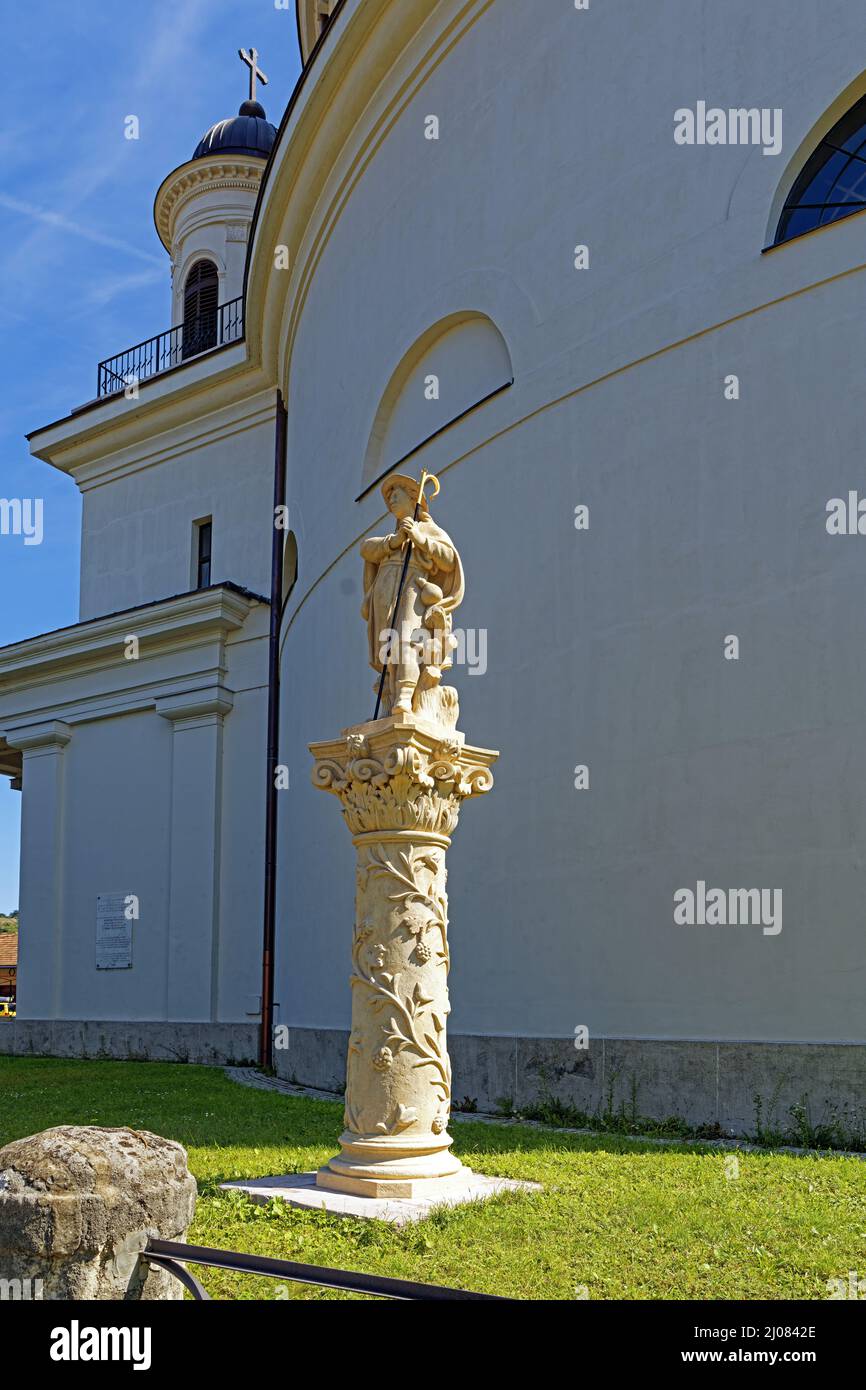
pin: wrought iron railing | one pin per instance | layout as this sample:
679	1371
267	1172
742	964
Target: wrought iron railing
173	1255
213	329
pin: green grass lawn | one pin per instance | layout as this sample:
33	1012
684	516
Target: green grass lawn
620	1218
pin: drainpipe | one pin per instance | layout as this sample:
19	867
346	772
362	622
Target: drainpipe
266	1041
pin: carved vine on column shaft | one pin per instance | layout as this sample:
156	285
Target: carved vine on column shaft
409	788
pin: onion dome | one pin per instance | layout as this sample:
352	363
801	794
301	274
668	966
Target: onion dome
247	133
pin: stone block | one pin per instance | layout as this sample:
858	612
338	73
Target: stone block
78	1204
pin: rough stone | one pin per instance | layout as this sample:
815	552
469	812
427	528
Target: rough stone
79	1204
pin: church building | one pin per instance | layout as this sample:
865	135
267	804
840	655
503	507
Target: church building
601	270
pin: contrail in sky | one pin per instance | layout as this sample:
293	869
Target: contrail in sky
65	224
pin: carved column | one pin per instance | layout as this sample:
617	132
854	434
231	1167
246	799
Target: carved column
401	782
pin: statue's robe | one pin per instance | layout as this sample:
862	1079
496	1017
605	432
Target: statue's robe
434	560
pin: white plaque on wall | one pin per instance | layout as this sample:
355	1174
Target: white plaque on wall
113	932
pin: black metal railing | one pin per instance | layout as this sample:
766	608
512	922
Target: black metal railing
213	329
173	1255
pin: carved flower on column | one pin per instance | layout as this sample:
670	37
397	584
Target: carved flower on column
383	1060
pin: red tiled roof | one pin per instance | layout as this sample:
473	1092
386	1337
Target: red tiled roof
8	948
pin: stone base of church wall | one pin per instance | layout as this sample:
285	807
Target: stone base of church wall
207	1044
703	1083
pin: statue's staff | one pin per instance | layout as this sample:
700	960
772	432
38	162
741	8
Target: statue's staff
425	479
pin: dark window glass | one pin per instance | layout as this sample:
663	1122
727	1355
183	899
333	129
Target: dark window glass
290	566
200	296
205	538
832	183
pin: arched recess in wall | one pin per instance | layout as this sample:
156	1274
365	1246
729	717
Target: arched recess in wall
455	366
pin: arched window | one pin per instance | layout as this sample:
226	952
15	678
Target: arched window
290	568
200	298
314	16
832	183
323	18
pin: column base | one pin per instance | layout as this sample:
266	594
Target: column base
389	1166
426	1189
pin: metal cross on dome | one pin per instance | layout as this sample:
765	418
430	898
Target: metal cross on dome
252	61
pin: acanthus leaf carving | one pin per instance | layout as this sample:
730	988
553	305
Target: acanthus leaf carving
407	787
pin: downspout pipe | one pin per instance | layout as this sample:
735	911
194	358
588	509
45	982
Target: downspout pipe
266	1040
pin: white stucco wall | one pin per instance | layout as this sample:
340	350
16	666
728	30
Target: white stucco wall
140	504
143	778
707	519
143	772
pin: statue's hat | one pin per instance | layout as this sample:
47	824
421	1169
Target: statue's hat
409	486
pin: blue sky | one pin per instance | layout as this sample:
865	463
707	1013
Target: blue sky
83	272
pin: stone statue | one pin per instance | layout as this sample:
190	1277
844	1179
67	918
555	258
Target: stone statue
414	643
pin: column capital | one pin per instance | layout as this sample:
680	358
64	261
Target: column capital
401	774
190	709
50	735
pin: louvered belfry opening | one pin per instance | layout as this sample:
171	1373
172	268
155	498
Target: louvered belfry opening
200	300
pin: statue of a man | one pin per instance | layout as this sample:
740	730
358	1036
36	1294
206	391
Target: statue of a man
413	644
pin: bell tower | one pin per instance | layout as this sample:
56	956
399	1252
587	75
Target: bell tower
204	208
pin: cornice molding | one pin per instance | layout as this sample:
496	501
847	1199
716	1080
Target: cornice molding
189	619
203	430
188	180
216	380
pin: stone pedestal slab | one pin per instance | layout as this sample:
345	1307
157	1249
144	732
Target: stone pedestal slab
304	1190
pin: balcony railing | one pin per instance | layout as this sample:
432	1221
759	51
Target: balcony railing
211	330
